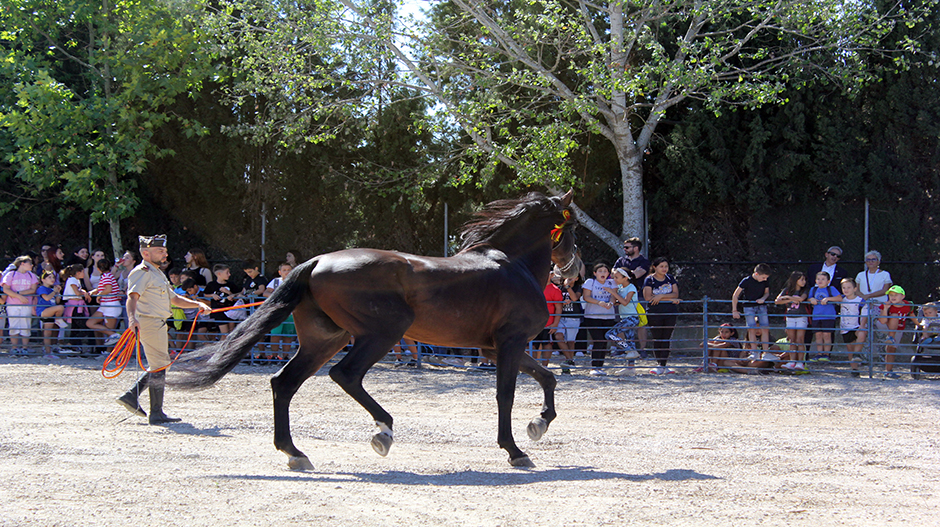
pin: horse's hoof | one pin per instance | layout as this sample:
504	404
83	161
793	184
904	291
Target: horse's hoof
537	428
381	443
299	463
522	462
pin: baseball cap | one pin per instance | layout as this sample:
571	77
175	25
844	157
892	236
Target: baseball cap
896	289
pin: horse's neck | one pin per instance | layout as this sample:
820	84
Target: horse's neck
527	250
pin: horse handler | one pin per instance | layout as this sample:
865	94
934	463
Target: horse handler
149	297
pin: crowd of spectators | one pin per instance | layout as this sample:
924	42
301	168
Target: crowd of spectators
75	305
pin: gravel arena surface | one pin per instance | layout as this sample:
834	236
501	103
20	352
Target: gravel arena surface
688	449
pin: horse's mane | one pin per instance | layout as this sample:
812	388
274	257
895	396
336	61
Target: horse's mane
498	214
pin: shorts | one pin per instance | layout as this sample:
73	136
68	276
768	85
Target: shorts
286	329
797	322
544	337
111	309
850	336
756	312
569	326
50	320
826	324
19	319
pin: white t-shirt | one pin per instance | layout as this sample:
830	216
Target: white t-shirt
851	312
601	295
868	282
68	293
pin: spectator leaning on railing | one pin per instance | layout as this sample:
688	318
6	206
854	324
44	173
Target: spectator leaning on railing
18	285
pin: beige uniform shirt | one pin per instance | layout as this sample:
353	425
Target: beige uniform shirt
154	289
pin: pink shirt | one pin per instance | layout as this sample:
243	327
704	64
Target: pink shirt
18	281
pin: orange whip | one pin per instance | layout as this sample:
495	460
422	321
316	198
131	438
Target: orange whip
130	344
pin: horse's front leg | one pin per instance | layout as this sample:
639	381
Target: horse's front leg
507	368
546	380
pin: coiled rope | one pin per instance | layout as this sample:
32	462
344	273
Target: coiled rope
129	344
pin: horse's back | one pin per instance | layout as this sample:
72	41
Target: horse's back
457	301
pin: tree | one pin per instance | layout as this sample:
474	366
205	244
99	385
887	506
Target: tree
523	79
91	82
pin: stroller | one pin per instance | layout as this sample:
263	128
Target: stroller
926	357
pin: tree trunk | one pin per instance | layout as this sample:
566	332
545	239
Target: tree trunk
114	226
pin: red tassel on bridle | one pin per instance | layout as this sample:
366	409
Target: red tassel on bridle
557	231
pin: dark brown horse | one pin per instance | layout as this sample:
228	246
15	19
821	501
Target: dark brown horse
488	296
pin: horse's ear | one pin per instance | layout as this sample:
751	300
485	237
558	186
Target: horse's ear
566	199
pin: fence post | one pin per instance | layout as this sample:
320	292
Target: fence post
871	342
705	358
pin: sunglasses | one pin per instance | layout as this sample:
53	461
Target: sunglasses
835	254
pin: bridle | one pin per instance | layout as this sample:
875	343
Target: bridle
557	234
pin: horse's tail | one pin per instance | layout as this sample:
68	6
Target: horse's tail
208	364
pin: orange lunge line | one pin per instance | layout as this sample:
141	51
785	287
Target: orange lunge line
129	344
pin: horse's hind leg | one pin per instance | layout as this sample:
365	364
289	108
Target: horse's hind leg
546	380
349	373
314	352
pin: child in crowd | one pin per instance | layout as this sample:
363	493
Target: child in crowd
221	294
255	283
18	284
821	297
623	335
724	350
853	321
754	290
282	335
894	314
76	298
927	357
542	345
49	310
793	296
175	277
190	290
781	357
110	311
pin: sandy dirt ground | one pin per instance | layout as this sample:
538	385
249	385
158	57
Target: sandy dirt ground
817	450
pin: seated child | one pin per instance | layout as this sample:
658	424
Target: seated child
784	356
725	352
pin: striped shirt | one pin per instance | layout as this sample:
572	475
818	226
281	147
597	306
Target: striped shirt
115	294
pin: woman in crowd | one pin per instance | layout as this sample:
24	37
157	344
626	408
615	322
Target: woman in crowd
661	292
196	261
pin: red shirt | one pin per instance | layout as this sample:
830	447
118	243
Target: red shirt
554	299
903	310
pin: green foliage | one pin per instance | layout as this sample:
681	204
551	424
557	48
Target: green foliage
90	82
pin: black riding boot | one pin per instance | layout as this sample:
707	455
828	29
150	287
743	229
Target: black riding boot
129	399
157	384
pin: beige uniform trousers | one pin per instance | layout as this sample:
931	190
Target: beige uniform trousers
154	340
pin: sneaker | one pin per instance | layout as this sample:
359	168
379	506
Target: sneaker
61	323
724	370
50	356
67	351
820	357
598	372
565	367
112	339
670	371
789	366
658	371
616	353
632	355
891	375
800	371
799	366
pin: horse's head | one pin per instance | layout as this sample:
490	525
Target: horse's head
564	249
